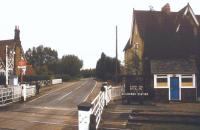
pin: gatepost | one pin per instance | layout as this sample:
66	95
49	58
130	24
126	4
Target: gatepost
84	113
104	89
24	91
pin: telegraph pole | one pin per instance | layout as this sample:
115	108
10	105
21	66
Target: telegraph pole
116	60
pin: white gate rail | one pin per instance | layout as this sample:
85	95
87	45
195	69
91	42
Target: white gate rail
9	95
94	108
15	93
98	105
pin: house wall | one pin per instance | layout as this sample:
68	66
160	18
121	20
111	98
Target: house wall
187	91
137	44
18	54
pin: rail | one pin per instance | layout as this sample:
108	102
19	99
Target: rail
30	90
10	95
94	108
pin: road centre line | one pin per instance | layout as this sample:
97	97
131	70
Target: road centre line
50	92
90	91
72	91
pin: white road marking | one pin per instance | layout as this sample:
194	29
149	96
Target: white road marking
90	91
49	93
65	96
72	91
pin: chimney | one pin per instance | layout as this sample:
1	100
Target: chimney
17	33
166	8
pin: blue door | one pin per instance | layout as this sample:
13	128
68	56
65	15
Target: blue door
174	88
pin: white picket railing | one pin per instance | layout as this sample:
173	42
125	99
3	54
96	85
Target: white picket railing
98	105
10	95
15	93
30	90
56	81
101	100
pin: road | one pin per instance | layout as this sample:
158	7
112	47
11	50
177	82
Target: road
55	110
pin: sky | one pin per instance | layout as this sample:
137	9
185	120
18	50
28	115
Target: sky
85	28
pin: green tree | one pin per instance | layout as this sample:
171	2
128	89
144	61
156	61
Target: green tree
41	58
71	65
88	73
106	67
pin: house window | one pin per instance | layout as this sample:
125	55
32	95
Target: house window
136	45
187	81
162	81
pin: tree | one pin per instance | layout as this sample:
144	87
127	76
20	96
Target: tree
41	55
71	64
106	66
88	73
41	58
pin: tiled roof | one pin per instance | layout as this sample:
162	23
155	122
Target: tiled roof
174	66
159	29
11	43
128	45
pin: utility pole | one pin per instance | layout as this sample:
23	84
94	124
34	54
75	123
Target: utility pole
116	70
6	65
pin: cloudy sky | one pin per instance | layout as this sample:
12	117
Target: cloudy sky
81	27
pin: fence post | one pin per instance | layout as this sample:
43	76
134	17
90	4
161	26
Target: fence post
104	89
84	112
24	91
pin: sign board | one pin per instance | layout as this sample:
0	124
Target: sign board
22	63
21	67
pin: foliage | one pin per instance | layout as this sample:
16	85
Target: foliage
45	62
86	73
40	58
71	65
29	78
106	67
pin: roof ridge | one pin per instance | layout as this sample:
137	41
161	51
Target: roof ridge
7	40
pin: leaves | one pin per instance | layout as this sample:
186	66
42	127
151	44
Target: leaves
106	67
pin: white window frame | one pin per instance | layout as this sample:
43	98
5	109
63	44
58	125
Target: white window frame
156	76
193	81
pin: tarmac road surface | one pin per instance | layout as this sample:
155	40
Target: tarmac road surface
55	110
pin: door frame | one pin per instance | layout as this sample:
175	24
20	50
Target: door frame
169	79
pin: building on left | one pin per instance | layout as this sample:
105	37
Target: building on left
11	51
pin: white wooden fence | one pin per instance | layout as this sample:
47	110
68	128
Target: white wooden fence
10	95
56	81
97	106
16	93
28	91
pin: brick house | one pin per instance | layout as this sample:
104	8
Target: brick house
14	51
166	47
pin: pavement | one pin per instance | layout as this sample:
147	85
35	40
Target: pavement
55	108
151	116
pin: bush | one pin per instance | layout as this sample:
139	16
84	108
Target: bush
29	78
66	77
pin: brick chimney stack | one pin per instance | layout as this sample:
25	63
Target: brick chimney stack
17	33
166	8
